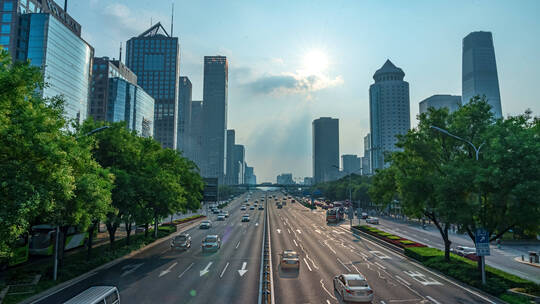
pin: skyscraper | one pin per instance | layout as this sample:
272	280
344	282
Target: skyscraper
479	70
196	133
239	164
231	176
366	159
389	111
325	149
351	164
51	40
215	116
451	102
154	56
184	115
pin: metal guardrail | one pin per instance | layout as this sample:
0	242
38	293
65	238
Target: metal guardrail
266	287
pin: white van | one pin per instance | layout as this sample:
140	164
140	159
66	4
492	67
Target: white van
97	295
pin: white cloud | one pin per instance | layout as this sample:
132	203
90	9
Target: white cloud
292	83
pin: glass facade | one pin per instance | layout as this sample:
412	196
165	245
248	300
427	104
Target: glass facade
144	113
65	59
119	101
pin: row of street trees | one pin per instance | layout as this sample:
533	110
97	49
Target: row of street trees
338	190
437	176
59	173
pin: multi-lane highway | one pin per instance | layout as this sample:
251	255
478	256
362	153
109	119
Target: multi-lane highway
232	275
160	275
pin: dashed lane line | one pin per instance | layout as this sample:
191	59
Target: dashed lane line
221	275
433	300
295	242
348	269
189	267
307	265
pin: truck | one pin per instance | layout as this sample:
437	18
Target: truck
334	215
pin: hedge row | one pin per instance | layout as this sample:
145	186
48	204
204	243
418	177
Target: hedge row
388	237
184	220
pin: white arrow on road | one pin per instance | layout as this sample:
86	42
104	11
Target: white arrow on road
130	269
243	271
205	270
164	272
278	230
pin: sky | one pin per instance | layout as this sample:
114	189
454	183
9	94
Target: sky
291	62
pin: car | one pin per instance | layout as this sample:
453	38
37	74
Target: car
211	242
251	207
293	201
243	208
261	207
364	215
284	203
247	200
353	288
289	259
256	202
466	252
226	213
181	241
245	218
217	211
206	224
221	217
372	220
279	206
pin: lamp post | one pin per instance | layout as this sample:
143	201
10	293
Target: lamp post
477	151
57	232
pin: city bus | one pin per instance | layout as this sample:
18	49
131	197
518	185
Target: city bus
43	237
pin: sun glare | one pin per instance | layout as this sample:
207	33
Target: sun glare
315	62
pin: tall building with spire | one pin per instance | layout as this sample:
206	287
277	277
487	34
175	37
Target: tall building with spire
154	56
389	112
479	70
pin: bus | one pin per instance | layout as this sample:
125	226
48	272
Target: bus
18	254
43	237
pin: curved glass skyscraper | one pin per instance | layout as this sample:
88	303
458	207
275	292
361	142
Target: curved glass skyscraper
479	70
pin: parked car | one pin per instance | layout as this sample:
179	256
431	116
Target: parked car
372	220
181	242
353	288
211	242
289	259
466	252
206	224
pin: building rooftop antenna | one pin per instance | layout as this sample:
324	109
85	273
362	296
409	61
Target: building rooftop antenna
172	18
120	60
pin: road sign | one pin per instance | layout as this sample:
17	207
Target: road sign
481	238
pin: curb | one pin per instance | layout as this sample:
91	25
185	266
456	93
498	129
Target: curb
518	259
107	265
401	251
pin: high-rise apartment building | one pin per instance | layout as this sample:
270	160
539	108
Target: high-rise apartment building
231	175
451	102
196	133
215	116
479	70
239	163
366	159
154	56
351	164
249	177
41	32
184	115
285	179
389	111
325	149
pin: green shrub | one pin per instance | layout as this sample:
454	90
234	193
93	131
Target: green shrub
515	299
407	242
393	237
422	253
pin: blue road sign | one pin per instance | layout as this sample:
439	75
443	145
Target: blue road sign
481	238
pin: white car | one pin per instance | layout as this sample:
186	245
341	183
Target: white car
353	288
372	220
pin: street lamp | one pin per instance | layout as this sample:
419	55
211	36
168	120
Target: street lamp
477	151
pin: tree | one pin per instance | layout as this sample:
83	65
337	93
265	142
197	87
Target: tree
35	171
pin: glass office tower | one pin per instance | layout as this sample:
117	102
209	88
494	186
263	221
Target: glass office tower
65	59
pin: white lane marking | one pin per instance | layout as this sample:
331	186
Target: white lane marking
319	232
433	300
379	254
324	287
376	263
164	272
130	269
237	245
402	280
288	231
298	230
189	267
326	243
307	256
344	265
327	301
278	230
221	275
307	264
295	243
421	278
243	271
205	270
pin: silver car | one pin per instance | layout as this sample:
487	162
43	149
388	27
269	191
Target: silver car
211	242
181	242
353	288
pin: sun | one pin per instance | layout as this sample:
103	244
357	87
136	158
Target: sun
315	62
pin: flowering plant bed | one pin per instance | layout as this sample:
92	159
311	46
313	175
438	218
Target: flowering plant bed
388	237
184	220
